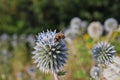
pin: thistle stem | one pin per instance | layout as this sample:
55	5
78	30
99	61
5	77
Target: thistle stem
100	73
109	35
55	76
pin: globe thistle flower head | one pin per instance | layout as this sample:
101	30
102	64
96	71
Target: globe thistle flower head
50	54
71	34
110	24
6	55
95	30
75	22
94	72
103	53
30	39
4	37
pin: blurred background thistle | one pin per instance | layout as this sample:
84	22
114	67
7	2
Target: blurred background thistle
50	52
95	30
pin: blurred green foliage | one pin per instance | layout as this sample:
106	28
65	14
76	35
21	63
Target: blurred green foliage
32	16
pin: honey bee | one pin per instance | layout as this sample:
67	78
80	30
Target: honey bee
59	36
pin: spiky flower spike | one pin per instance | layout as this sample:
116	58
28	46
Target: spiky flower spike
49	54
103	53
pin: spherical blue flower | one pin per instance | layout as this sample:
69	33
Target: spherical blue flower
4	37
103	52
76	21
110	24
49	54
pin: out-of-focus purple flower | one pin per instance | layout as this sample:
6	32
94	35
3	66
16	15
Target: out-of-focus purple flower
84	24
14	40
110	24
70	34
75	25
31	40
4	37
31	70
94	72
75	22
20	75
6	55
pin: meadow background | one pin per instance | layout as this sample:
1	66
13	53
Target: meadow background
22	20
